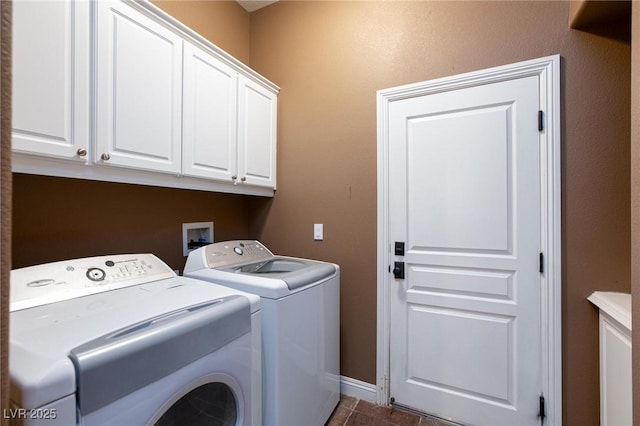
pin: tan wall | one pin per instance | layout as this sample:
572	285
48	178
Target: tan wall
56	219
330	58
225	23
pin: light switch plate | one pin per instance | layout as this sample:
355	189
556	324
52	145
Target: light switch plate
318	232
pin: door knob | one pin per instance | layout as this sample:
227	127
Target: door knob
398	270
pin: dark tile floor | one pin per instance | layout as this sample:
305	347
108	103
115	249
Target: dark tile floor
357	412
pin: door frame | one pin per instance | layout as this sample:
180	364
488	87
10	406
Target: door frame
548	71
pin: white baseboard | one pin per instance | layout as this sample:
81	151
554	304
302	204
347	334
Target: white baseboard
358	389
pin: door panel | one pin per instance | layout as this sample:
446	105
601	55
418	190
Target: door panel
452	175
209	118
488	372
139	90
257	108
51	78
464	179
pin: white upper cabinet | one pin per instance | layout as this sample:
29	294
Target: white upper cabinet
138	90
209	116
125	93
51	78
257	109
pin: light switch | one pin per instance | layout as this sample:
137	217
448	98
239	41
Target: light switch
318	232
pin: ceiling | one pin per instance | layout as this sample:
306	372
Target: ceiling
251	5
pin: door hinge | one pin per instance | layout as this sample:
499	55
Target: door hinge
541	410
540	121
541	266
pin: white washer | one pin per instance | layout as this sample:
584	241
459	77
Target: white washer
120	339
300	325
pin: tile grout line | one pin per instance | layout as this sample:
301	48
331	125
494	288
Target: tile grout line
346	421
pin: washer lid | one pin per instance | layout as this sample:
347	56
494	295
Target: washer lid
41	338
294	272
247	265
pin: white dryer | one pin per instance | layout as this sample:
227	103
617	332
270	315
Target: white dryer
300	325
115	340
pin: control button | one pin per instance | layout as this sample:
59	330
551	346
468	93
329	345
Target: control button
41	283
109	263
238	251
96	274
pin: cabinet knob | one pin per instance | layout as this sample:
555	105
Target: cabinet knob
81	152
105	157
244	178
234	177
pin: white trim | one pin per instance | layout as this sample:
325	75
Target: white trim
153	11
358	389
50	166
548	71
616	305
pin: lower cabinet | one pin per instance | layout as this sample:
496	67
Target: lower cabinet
615	357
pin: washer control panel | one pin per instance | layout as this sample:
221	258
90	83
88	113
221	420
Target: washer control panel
232	252
54	282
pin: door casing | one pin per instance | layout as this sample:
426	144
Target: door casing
548	71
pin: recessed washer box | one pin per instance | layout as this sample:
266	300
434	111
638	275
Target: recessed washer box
196	235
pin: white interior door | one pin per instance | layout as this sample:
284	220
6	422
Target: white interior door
465	198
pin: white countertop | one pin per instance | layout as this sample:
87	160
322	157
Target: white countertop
616	305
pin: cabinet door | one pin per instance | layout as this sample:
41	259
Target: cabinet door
51	78
257	108
138	90
209	116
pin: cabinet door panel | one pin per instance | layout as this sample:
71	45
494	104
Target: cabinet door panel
50	78
257	109
209	116
139	75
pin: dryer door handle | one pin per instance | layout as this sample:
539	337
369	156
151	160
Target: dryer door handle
172	340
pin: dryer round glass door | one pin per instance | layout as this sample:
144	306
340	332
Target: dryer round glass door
209	404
